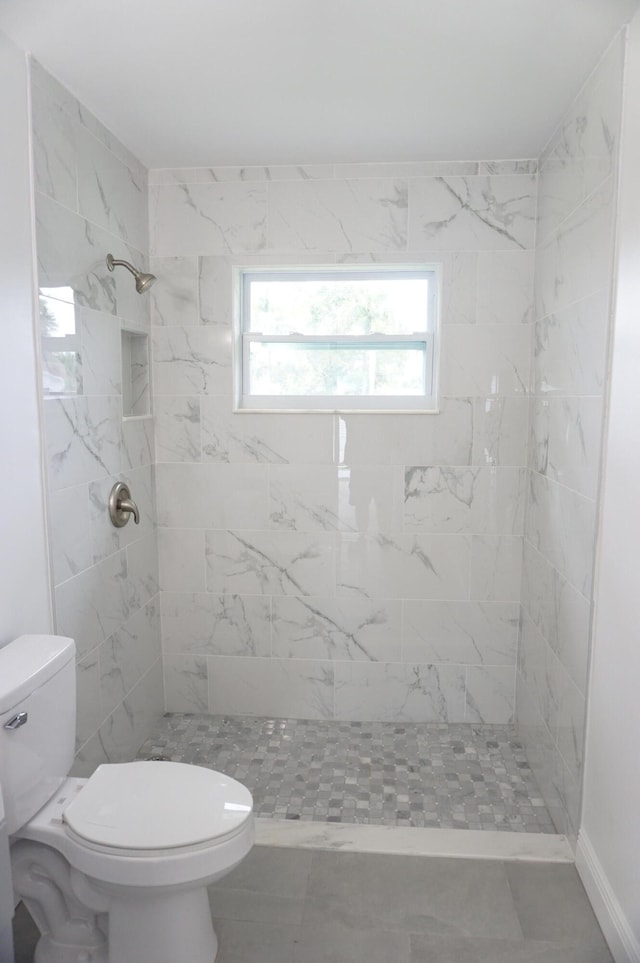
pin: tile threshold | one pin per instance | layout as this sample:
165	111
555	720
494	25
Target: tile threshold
410	840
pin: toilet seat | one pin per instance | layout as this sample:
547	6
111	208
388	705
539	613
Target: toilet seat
139	807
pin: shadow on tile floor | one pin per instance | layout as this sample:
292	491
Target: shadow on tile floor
303	906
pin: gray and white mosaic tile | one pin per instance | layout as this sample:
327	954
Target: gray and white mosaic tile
381	773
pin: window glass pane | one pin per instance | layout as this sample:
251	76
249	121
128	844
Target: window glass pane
339	305
312	369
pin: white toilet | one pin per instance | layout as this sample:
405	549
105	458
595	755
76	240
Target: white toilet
113	868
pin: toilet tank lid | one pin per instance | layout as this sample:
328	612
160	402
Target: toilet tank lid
28	662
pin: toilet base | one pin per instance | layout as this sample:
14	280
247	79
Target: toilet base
162	928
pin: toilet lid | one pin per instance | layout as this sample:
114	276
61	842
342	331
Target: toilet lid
157	805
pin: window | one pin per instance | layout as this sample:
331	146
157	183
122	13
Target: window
329	338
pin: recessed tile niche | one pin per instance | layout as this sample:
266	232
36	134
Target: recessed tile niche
135	375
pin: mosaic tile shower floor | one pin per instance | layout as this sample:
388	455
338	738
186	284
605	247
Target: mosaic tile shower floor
382	773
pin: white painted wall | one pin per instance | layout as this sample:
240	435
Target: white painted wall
24	573
609	840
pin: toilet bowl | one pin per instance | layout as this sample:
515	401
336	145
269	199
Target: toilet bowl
114	868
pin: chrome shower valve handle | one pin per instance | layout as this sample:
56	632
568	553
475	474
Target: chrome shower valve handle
121	506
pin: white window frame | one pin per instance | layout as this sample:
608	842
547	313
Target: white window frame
428	338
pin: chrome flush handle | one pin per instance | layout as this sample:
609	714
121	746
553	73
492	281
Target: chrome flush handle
121	505
17	721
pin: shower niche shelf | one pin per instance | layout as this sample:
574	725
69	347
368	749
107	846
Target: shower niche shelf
136	395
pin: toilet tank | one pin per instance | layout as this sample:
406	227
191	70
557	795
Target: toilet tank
37	722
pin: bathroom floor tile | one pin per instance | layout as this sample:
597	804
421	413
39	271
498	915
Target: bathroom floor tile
412	894
268	886
383	773
429	949
551	903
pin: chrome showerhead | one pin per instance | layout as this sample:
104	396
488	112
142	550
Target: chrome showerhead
143	281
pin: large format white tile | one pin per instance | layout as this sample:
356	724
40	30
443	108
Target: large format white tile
496	566
565	441
70	532
561	525
490	694
185	683
92	605
207	218
229	436
82	439
191	360
485	360
472	500
569	351
177	424
505	287
173	298
416	439
500	431
488	213
321	628
211	496
404	566
270	563
298	688
389	692
346	499
464	633
54	149
181	559
334	215
205	624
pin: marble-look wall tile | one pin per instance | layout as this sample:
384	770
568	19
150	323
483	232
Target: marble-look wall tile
399	692
70	543
110	193
332	215
207	218
575	261
186	687
270	563
100	352
403	566
54	149
203	624
177	422
347	499
297	688
476	500
445	439
505	287
561	525
582	153
490	694
565	441
72	266
500	431
181	559
174	296
473	213
191	361
94	604
212	496
127	655
336	629
496	566
88	707
243	437
464	633
485	360
570	349
82	439
91	199
559	612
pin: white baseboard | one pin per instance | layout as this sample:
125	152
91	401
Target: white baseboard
623	944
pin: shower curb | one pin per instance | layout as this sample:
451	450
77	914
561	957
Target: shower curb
409	840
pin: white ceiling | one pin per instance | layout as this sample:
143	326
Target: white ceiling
201	82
